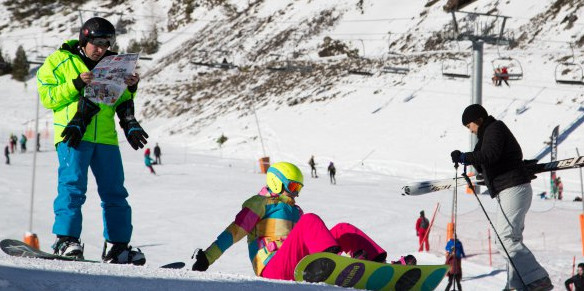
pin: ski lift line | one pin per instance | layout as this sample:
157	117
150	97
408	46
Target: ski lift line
449	93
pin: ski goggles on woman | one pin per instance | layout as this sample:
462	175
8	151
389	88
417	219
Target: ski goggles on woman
291	186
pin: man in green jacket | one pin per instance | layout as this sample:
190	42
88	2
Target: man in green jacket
85	136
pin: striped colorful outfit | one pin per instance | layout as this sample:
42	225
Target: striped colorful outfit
279	235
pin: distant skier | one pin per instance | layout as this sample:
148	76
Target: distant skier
504	76
554	187
454	255
23	140
13	141
577	280
279	235
560	186
498	156
157	154
148	161
496	77
38	142
422	231
7	154
312	167
332	171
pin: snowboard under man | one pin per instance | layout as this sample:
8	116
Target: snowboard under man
85	136
279	235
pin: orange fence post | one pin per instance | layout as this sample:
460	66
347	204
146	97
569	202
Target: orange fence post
450	231
582	230
31	239
264	164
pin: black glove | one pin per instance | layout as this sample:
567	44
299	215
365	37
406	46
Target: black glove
455	155
202	263
135	135
75	129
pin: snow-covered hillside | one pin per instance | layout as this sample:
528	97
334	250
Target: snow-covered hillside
381	131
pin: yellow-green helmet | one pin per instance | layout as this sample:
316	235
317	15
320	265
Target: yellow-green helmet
284	176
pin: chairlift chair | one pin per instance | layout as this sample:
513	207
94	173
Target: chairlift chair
297	64
453	67
218	59
277	62
514	69
569	73
360	66
395	64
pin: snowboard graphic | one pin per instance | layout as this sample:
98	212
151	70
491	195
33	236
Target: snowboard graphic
18	248
348	272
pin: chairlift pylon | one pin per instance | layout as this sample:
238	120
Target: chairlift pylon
569	73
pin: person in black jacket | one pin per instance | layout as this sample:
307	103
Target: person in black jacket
498	157
157	155
577	280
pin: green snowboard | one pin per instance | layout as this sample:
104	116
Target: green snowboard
348	272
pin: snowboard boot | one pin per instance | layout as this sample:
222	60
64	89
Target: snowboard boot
362	255
68	247
334	249
122	253
359	255
543	284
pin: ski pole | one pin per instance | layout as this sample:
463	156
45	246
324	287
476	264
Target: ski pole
454	208
471	186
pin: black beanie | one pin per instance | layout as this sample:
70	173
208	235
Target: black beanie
473	113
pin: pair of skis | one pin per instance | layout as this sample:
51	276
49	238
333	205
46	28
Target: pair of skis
425	187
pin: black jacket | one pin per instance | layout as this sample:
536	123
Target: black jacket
578	282
498	156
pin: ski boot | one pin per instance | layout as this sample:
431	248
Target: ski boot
68	247
122	253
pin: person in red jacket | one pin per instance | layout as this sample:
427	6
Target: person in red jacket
422	231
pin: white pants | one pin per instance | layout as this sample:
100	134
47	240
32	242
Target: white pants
514	203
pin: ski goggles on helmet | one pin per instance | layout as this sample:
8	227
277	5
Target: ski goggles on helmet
100	38
291	186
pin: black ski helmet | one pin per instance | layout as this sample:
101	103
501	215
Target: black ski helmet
98	29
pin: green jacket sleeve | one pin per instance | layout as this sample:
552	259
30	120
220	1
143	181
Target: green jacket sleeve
55	80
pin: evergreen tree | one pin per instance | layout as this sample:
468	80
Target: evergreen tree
20	66
133	47
150	44
5	66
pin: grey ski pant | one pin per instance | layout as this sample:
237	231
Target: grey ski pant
514	203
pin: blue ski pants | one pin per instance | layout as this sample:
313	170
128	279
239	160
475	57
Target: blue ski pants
106	164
